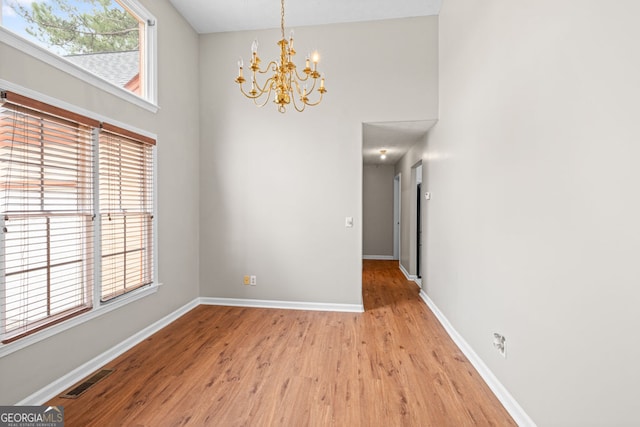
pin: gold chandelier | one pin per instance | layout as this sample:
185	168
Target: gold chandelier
285	81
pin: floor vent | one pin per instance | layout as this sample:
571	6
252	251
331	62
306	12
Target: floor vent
84	386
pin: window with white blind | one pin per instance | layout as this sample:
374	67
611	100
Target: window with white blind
126	211
69	233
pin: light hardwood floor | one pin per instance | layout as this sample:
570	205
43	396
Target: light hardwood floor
393	365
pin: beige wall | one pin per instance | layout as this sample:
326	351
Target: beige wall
533	225
176	125
275	189
377	210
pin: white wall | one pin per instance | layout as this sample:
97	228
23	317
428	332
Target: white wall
276	188
534	226
176	124
377	211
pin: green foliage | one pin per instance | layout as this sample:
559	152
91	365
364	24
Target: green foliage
81	26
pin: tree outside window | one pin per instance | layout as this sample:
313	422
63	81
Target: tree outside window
101	36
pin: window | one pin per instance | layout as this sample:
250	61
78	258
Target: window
126	211
111	40
52	242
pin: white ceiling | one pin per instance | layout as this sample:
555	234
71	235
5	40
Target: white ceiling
214	16
395	137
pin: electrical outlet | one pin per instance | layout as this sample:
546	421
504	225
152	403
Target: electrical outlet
247	280
253	280
500	343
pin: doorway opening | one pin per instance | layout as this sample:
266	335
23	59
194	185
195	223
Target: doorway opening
396	216
419	235
416	222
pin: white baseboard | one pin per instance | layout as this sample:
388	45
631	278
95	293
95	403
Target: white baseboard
289	305
63	383
406	273
379	257
510	404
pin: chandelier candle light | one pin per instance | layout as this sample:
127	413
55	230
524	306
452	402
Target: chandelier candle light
285	81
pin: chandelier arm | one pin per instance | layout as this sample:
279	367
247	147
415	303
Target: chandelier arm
313	104
255	100
313	86
295	105
302	78
295	84
309	89
260	90
268	85
248	95
307	78
268	68
299	93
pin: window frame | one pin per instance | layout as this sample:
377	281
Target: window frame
149	99
98	308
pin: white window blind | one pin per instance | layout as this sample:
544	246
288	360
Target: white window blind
126	210
76	214
46	206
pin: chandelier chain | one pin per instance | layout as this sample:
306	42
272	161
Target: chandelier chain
282	17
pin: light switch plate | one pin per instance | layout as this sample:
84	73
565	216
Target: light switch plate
348	222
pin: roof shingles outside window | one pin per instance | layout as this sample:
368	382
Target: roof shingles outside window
119	68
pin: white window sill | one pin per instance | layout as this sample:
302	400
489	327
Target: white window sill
54	60
6	349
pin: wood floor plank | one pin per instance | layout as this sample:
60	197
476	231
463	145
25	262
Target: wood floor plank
393	365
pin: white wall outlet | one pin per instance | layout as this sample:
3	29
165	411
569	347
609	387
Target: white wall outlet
348	222
500	343
252	281
427	195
